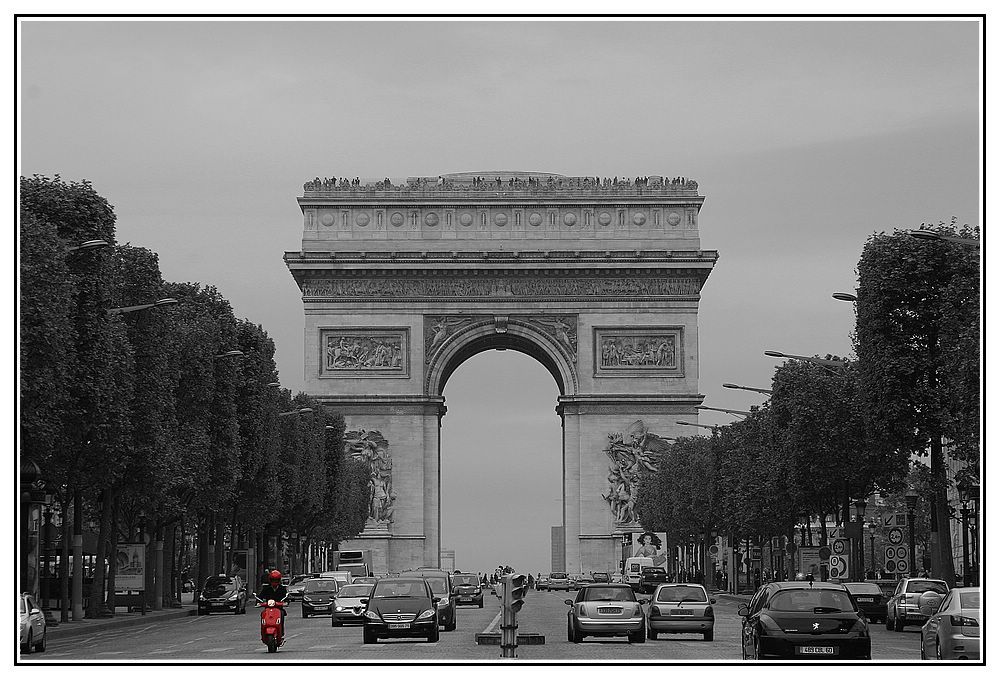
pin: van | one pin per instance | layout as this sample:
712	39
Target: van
633	569
345	577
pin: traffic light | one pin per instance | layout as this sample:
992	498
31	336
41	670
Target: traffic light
515	587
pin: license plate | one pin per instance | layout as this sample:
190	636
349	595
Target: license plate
609	610
465	599
817	650
396	626
865	599
682	612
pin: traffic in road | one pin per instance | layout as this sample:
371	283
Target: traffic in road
221	637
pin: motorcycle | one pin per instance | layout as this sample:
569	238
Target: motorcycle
272	626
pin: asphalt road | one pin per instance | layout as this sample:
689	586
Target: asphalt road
227	637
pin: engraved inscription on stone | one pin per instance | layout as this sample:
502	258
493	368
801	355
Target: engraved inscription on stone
364	352
500	286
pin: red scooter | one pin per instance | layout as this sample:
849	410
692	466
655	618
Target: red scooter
272	626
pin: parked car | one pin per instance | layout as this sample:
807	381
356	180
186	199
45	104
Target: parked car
223	593
601	577
441	587
559	580
349	603
317	596
681	608
913	602
606	611
650	578
32	624
952	632
869	598
542	582
466	589
401	607
802	620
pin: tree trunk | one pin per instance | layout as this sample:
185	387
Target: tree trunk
113	561
77	555
942	561
100	570
64	565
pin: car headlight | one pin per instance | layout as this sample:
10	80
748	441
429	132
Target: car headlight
306	598
478	591
340	609
443	602
372	616
426	614
234	597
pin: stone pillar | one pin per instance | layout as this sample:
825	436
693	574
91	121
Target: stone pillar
571	486
432	490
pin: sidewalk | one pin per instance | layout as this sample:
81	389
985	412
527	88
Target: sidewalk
122	619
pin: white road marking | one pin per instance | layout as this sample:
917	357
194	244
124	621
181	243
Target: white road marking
494	622
218	649
107	652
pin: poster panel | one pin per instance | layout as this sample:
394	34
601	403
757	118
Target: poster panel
130	571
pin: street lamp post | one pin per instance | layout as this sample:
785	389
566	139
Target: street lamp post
827	363
911	506
730	411
966	492
733	386
860	506
931	235
707	427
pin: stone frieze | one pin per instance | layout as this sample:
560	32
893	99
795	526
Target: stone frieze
500	286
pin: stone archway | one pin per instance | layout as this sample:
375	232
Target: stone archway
599	280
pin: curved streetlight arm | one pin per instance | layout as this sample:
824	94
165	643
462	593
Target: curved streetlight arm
846	297
730	411
230	353
832	363
138	308
298	411
931	235
93	244
707	427
731	386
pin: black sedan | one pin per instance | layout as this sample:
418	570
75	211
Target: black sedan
401	607
870	600
317	596
223	593
801	620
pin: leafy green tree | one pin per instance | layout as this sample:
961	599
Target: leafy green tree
917	368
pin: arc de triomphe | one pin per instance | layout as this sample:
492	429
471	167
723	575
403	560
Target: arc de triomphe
598	279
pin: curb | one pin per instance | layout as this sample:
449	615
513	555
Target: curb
76	629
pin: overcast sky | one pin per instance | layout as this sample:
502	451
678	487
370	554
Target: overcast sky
805	138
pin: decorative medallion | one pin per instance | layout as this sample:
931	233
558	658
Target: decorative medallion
673	219
604	219
569	219
431	219
397	219
639	219
465	219
500	219
362	219
326	219
534	219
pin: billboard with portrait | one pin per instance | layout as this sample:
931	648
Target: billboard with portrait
649	544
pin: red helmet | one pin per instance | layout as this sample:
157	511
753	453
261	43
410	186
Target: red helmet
274	577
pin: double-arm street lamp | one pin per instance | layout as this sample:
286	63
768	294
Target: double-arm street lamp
911	507
138	308
732	386
730	411
707	427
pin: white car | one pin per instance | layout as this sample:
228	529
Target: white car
952	632
32	625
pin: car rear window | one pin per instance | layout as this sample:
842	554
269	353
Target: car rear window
654	570
807	599
864	588
559	574
321	585
465	579
678	593
924	586
969	600
610	594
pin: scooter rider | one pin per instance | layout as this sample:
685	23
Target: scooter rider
275	590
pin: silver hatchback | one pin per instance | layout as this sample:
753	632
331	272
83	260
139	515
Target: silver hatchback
681	608
606	610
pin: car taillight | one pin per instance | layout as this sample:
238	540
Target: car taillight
709	613
654	610
964	621
860	627
583	610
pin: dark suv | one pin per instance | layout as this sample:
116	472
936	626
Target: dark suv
466	589
223	593
650	577
441	585
400	607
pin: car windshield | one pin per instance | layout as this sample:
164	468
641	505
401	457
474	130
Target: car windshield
218	582
615	594
925	586
363	590
864	588
465	579
559	574
970	599
679	593
325	585
810	599
400	588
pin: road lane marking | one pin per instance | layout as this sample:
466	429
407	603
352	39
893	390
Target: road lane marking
107	652
218	649
493	623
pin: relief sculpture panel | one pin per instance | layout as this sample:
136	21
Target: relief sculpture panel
638	351
372	449
364	352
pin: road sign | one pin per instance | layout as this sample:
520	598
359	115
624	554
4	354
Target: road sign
838	567
755	553
894	519
897	559
839	546
824	553
895	535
